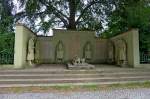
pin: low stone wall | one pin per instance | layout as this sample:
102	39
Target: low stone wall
6	66
145	66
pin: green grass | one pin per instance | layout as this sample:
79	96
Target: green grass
75	88
130	85
64	87
90	87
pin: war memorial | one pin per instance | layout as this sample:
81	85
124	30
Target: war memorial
82	47
73	57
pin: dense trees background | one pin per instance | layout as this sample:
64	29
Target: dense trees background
131	14
6	27
70	14
110	17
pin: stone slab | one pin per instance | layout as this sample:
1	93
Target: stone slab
77	67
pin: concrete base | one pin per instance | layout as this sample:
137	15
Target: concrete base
77	67
7	66
146	66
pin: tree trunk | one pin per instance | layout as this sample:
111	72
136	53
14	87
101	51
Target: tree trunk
72	8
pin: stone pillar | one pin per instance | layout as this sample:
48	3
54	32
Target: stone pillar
18	53
133	48
132	43
21	40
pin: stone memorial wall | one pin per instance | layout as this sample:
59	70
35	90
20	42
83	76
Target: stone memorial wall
65	45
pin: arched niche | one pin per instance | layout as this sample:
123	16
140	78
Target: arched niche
111	52
37	51
31	51
87	51
121	53
59	52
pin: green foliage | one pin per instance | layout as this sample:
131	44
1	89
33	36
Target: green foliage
6	48
7	43
31	6
127	15
6	27
144	38
6	24
6	17
130	14
70	14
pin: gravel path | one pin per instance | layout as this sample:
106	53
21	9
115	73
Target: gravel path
111	94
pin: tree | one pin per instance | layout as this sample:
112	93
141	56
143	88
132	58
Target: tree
6	16
70	14
7	43
131	14
6	26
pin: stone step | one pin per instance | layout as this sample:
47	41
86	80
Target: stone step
72	72
42	76
71	81
96	69
76	74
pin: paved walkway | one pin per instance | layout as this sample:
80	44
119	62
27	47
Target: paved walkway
111	94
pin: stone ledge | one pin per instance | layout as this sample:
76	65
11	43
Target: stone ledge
77	67
6	66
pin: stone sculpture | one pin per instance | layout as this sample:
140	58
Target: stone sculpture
37	52
79	63
122	54
83	61
60	52
88	52
76	61
30	53
110	53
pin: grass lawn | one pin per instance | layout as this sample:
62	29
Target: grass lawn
74	88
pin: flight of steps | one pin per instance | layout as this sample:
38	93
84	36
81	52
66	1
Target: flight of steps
47	77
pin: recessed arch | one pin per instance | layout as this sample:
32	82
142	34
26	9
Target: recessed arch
121	52
88	51
59	51
111	52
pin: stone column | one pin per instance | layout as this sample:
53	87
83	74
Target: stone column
133	48
22	36
132	43
19	56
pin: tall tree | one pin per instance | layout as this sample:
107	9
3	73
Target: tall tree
70	14
131	14
6	16
128	14
6	26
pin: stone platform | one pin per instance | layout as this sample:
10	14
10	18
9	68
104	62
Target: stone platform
58	75
77	67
